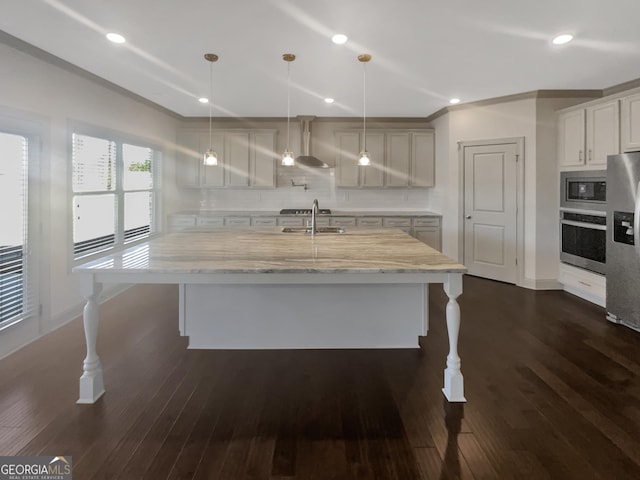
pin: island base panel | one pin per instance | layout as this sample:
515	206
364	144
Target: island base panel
303	316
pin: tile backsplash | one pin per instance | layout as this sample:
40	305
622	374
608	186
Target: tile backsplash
320	184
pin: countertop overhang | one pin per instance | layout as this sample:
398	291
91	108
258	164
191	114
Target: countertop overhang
267	250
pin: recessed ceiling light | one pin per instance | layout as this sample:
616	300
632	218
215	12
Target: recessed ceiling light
562	39
203	100
453	101
329	100
115	37
339	39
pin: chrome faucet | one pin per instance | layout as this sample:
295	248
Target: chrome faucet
314	213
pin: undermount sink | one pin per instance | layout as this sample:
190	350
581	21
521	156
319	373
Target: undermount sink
318	230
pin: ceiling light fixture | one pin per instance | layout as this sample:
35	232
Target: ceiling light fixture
203	100
210	157
329	100
287	156
453	101
339	39
364	159
562	39
115	37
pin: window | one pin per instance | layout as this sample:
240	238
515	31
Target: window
115	192
14	228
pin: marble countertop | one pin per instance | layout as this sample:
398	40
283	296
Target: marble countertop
269	250
335	212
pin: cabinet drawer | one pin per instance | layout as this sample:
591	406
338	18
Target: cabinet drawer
210	221
426	222
182	221
396	222
343	221
291	221
591	284
369	222
237	221
263	221
321	221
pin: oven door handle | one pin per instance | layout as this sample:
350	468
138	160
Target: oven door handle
593	226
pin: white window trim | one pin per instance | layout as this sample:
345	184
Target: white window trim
120	138
33	129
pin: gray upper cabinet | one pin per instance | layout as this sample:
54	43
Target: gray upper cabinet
246	158
423	159
399	158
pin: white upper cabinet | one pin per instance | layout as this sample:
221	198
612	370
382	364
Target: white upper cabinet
588	134
603	132
631	123
571	137
399	158
246	158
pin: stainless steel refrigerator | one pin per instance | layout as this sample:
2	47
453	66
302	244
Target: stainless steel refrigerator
623	239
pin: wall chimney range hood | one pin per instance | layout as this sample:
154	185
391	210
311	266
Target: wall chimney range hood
308	160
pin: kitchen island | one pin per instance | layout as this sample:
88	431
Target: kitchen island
259	287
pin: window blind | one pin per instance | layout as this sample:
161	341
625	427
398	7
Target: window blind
13	231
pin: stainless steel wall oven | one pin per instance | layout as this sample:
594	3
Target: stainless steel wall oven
583	240
583	219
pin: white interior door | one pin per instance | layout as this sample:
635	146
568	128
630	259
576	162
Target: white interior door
490	211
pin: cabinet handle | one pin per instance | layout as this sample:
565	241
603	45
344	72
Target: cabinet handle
589	155
584	283
580	155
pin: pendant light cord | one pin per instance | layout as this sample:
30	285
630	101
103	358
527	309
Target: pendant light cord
364	105
210	100
288	100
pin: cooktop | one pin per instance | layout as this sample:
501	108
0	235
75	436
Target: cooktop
303	211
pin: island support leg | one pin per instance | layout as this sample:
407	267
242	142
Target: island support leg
453	380
91	381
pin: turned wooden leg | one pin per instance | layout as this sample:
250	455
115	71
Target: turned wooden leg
453	380
91	382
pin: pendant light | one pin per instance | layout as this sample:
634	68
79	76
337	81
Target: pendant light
210	157
287	156
364	159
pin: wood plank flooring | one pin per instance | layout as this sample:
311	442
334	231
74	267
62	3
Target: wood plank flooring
553	392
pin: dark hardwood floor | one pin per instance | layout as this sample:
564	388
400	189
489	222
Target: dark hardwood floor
552	393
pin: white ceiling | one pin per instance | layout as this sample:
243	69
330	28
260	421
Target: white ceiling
423	52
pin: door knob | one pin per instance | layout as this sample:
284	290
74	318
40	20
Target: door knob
467	217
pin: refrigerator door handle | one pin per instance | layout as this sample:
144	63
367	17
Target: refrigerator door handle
636	221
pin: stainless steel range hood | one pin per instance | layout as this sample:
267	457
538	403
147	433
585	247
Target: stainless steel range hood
308	160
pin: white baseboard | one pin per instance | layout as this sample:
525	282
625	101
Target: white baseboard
541	284
60	320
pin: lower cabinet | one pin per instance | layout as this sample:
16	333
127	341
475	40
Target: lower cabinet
428	235
584	284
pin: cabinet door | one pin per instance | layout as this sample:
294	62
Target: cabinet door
188	159
213	175
428	235
373	174
603	132
423	159
398	152
571	137
237	159
263	160
348	148
630	123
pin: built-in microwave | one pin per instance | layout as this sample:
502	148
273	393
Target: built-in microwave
585	189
